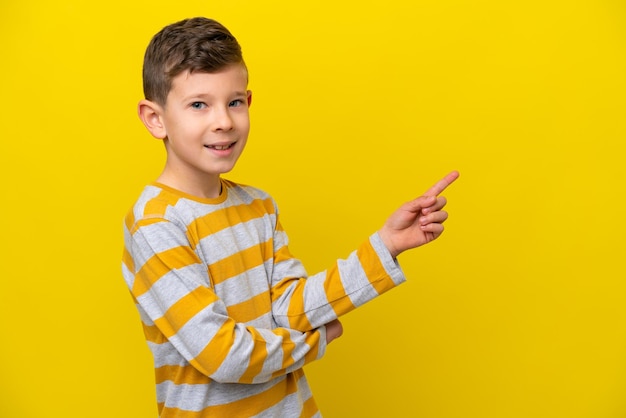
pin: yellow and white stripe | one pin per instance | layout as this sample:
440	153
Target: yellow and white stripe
229	314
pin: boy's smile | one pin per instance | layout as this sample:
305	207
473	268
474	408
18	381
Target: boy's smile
204	125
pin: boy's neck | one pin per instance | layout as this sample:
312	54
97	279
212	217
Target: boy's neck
208	188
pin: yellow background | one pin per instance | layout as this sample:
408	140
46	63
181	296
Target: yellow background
517	311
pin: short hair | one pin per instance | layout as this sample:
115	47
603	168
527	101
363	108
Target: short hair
195	45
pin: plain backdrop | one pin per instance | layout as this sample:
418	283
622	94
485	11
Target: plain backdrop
517	311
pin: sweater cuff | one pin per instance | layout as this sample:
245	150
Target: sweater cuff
321	345
390	264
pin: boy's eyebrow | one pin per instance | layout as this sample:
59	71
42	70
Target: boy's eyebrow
210	96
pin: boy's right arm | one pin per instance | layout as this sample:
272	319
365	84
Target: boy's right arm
165	278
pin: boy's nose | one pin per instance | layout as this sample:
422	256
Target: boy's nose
222	120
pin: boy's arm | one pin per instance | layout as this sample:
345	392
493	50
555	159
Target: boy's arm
165	277
371	270
304	303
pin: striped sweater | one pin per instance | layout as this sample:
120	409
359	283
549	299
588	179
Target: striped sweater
230	316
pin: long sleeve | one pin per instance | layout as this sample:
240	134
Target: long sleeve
304	303
171	286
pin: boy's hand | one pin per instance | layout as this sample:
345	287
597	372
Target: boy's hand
334	329
419	221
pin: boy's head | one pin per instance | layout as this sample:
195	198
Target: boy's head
194	45
196	101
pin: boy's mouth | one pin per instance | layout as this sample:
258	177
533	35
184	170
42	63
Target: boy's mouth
221	147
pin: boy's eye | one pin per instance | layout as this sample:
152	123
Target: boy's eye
198	105
235	103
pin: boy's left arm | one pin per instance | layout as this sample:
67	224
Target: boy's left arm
303	303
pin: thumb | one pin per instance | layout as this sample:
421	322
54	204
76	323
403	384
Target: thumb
420	203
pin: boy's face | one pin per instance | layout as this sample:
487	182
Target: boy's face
206	123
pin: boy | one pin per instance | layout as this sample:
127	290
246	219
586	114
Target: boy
229	315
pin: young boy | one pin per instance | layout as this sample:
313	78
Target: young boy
229	315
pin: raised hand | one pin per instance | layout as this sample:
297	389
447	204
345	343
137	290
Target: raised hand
419	221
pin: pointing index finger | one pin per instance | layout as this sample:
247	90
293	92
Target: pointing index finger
441	185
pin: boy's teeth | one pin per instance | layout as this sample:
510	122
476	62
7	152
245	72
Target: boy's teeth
220	147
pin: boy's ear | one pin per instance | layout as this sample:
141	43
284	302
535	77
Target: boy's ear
150	114
249	98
